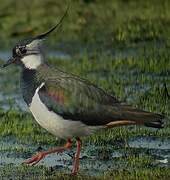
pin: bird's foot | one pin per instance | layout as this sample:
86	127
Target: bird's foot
41	155
35	159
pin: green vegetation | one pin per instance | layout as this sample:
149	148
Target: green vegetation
108	23
43	173
123	47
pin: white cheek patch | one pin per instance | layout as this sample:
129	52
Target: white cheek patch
32	61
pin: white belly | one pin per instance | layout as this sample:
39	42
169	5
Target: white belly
55	124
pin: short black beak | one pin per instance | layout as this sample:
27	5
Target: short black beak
10	61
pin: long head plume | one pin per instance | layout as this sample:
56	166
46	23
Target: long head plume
42	36
31	46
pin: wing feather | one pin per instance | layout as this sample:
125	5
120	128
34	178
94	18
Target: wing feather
77	99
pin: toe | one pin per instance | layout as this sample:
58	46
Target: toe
35	159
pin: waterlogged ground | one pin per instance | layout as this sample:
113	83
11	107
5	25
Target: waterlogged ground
94	159
127	151
130	58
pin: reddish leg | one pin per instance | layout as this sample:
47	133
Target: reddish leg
76	158
40	155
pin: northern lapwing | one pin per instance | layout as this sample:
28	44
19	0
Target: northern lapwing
66	105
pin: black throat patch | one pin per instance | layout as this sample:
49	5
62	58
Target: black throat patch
29	84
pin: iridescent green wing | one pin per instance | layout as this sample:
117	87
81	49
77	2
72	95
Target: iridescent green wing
77	99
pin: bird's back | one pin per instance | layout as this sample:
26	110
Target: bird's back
77	99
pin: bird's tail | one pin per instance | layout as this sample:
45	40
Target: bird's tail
130	115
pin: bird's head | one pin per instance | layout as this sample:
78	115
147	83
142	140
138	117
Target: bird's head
28	53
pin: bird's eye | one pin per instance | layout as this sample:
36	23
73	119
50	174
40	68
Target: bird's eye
21	50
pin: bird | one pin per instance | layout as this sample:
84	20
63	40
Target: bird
66	105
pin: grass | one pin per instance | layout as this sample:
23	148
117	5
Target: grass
122	46
144	88
112	76
48	173
119	23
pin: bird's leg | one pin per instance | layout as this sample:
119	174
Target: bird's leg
76	158
40	155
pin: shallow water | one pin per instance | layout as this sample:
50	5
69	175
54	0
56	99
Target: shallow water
13	152
150	143
92	158
5	55
159	149
12	95
66	51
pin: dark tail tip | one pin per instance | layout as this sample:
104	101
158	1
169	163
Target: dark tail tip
158	123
